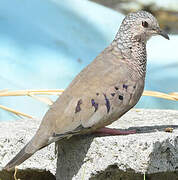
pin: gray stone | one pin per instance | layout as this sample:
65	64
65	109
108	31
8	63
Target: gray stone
152	151
13	136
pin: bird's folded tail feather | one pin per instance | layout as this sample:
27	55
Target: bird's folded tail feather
23	155
18	159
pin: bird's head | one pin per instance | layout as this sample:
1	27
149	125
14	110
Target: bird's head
141	25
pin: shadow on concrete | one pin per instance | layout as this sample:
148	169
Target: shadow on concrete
146	129
27	174
113	173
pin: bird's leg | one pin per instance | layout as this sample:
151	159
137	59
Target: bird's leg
110	131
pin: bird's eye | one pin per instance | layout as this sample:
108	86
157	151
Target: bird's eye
144	24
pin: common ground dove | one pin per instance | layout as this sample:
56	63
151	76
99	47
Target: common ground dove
103	91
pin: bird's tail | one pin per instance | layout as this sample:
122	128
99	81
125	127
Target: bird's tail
36	144
18	159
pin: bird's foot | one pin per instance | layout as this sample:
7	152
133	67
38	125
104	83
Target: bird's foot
110	131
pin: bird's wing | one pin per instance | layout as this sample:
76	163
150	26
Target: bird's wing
99	95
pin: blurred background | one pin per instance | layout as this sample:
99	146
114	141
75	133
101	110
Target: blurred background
45	44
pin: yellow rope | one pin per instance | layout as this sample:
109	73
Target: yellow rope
32	93
171	96
15	112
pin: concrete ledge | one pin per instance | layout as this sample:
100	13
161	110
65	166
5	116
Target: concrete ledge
13	136
152	151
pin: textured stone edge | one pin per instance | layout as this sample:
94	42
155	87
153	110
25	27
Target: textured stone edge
13	136
152	152
82	150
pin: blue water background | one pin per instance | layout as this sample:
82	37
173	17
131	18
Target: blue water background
44	44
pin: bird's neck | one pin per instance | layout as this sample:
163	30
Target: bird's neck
133	51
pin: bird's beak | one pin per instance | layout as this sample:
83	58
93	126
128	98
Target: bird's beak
162	33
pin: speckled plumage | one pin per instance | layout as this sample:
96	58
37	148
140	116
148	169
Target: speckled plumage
100	94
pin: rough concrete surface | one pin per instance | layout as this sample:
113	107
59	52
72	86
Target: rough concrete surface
13	136
152	151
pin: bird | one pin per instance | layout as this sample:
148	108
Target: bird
102	92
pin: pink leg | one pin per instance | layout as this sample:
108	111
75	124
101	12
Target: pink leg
109	131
